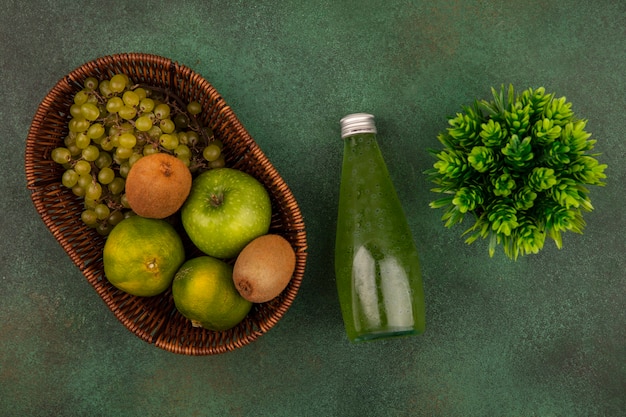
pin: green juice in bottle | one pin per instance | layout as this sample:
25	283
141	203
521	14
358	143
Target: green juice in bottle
377	267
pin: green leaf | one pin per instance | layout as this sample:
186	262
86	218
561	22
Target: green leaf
503	218
467	199
481	158
545	131
518	153
524	199
559	110
541	179
492	133
518	119
465	127
503	185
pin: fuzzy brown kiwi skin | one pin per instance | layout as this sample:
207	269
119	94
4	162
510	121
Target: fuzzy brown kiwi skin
157	185
264	268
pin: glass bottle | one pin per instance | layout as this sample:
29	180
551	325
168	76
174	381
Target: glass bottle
377	267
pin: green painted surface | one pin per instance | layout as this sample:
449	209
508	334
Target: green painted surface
541	337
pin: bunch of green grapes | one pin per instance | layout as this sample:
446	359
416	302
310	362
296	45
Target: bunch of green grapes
113	123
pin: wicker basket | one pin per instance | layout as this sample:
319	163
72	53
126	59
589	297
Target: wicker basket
155	319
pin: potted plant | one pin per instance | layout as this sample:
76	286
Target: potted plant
520	166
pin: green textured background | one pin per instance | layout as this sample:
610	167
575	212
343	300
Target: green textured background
541	337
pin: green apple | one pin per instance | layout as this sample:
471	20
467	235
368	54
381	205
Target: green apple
225	210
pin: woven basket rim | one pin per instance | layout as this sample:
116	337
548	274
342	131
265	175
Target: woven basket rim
165	329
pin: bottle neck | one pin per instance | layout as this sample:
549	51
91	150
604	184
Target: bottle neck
357	123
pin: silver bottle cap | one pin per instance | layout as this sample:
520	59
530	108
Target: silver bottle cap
353	124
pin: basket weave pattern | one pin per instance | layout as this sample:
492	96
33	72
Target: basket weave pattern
155	319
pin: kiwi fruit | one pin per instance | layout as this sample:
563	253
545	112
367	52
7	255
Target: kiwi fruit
264	268
157	185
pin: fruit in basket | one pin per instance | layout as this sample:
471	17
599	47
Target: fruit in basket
225	210
157	185
112	124
141	255
204	292
264	268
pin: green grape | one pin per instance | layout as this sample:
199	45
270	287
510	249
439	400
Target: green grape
181	121
218	163
118	83
134	158
207	132
123	153
115	130
118	160
61	155
168	141
84	180
115	140
78	125
106	175
141	93
82	140
127	112
124	168
162	111
182	138
70	139
69	178
127	126
106	144
194	108
93	191
192	138
75	110
116	186
167	125
182	151
78	190
82	167
92	99
124	201
91	153
146	105
81	97
155	132
91	83
127	140
98	140
143	123
218	143
95	131
115	217
211	152
149	150
104	160
104	228
90	203
130	98
74	150
90	111
102	211
105	88
114	104
89	217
